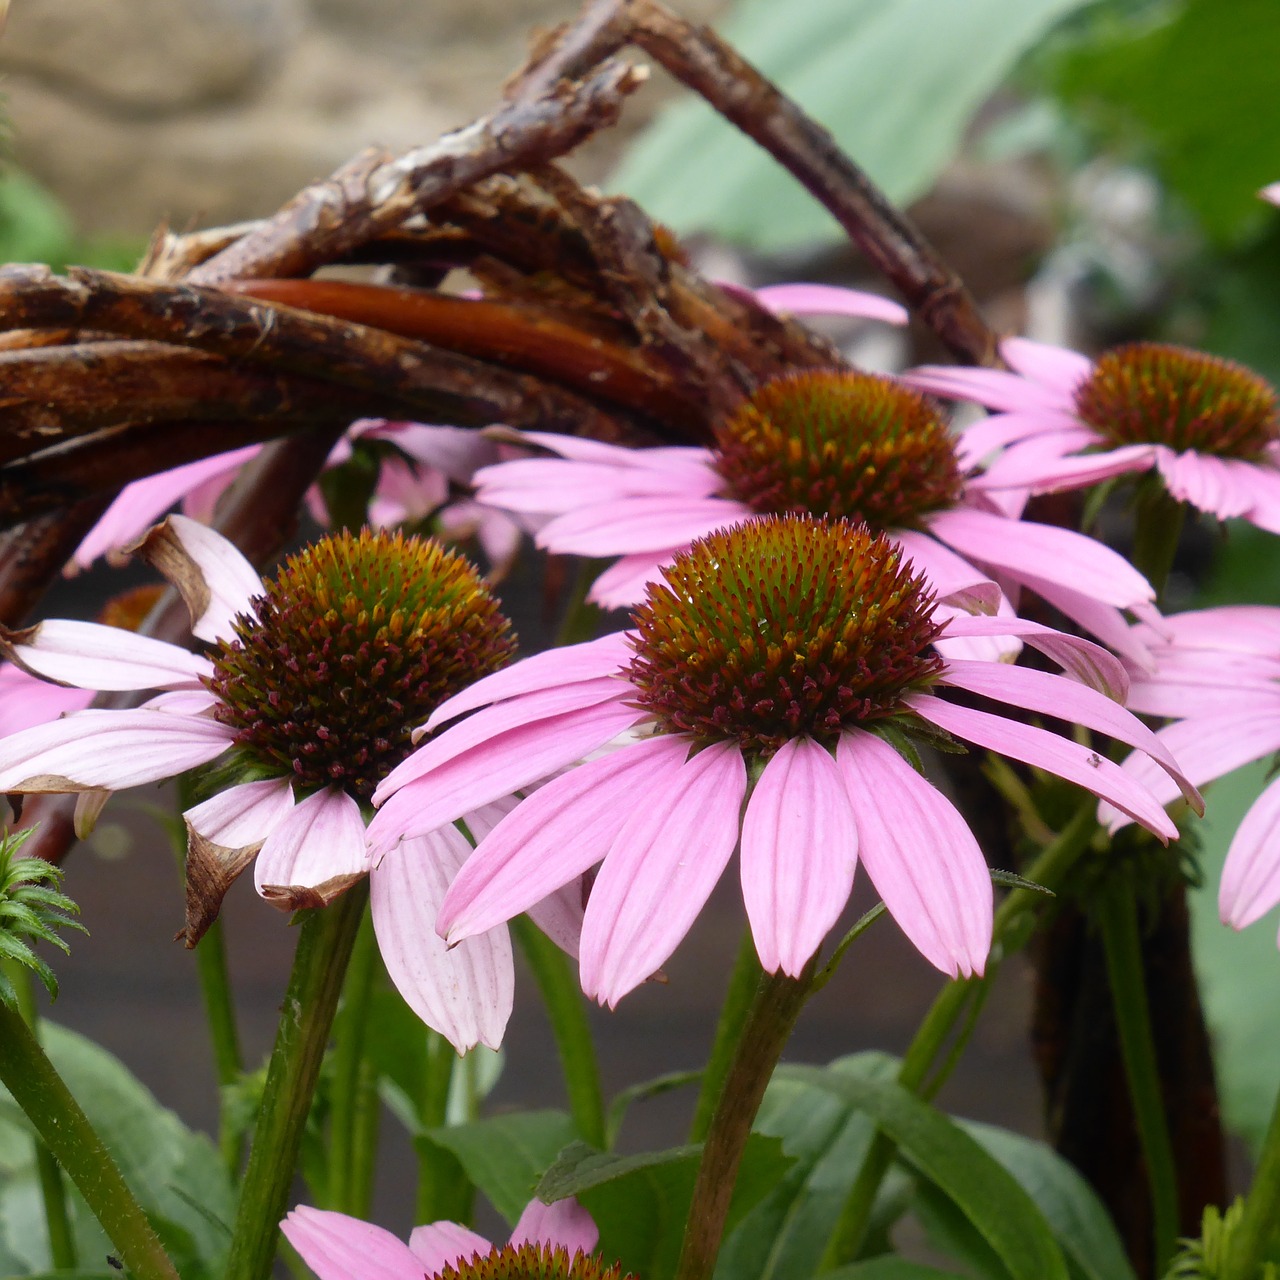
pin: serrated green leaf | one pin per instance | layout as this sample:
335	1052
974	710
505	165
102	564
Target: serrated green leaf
897	84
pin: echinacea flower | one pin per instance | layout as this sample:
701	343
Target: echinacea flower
306	702
1217	676
826	442
1209	427
552	1241
779	666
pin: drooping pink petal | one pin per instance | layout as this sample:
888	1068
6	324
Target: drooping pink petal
182	702
1055	367
463	992
1031	470
1261	481
456	451
337	1247
585	450
442	1244
1251	876
1053	753
990	387
998	647
1027	548
989	435
1104	621
550	838
623	583
26	700
920	855
639	524
1207	483
799	852
108	749
1077	703
1200	694
830	300
200	502
662	864
319	839
242	815
92	656
1253	628
571	664
565	1223
553	486
955	581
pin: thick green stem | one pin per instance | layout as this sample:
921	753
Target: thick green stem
224	1034
38	1089
1260	1223
1157	526
1049	870
581	618
443	1188
327	936
777	1004
1117	916
565	1008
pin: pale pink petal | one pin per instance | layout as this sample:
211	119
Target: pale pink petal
990	387
994	648
320	838
441	1244
556	485
639	524
1022	547
26	700
626	581
92	656
955	581
1032	455
565	1223
463	992
1207	483
830	300
1076	703
1055	367
662	865
242	815
337	1247
579	447
458	452
1104	621
1202	694
108	749
920	855
182	702
200	502
496	768
1271	193
405	492
1031	470
799	852
1251	876
1000	430
551	838
571	664
1254	628
1049	751
560	914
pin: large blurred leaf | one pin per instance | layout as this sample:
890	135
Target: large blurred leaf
1201	90
896	81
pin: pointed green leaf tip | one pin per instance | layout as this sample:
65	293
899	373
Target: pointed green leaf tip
30	908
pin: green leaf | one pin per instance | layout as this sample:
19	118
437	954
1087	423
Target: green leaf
941	1152
506	1155
890	1268
641	1202
897	84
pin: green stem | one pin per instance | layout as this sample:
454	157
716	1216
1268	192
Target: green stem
1260	1221
62	1245
566	1009
220	1013
444	1191
743	984
1117	916
1049	869
326	937
348	1054
777	1004
37	1088
1158	518
581	617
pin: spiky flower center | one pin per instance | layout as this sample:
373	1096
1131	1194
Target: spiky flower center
1155	393
780	627
352	645
841	444
532	1262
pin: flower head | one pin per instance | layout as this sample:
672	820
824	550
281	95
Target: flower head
550	1242
1209	427
830	443
766	689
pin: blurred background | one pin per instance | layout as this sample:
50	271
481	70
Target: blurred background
1090	169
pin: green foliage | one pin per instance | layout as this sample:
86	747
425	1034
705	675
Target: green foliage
31	908
897	84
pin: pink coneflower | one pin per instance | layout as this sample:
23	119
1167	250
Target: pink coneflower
1218	676
306	702
554	1241
784	664
826	442
1207	426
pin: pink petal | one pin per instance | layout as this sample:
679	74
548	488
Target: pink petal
442	1244
556	485
830	300
1052	695
200	502
990	387
337	1247
989	435
1271	193
96	657
108	749
319	839
1051	752
1253	628
182	702
1030	470
920	855
551	838
457	451
954	579
582	449
680	832
26	700
799	852
463	992
1042	551
1103	621
1207	483
565	1223
626	581
1055	367
570	664
242	815
639	524
1205	694
1251	877
995	648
